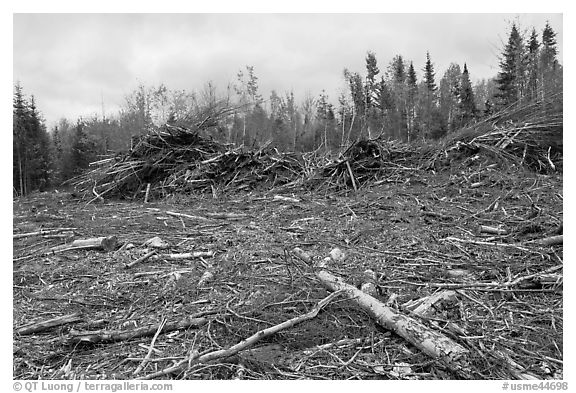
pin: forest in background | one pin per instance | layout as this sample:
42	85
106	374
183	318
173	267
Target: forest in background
390	103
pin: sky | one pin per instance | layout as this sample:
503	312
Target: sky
72	63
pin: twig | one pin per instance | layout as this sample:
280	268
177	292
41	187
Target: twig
151	348
174	214
351	175
141	259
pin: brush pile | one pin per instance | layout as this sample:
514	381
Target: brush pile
184	159
529	135
178	158
368	161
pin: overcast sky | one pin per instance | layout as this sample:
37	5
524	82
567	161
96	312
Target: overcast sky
70	61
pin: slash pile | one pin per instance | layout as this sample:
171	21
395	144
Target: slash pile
526	135
178	159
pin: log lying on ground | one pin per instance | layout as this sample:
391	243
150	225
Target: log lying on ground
551	241
42	232
99	336
97	243
492	230
426	307
434	344
41	326
190	255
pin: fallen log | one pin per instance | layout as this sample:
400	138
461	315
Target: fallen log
427	306
97	243
551	241
432	343
93	337
37	327
492	230
190	255
42	232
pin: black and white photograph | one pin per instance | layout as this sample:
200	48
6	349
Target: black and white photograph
287	196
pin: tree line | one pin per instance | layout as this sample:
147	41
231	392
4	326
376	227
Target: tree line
390	102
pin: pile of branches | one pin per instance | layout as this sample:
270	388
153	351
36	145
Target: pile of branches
368	161
183	158
528	134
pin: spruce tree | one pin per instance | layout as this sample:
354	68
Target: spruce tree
510	79
19	140
467	103
551	74
533	66
30	145
371	72
549	50
411	104
399	95
371	115
429	74
433	123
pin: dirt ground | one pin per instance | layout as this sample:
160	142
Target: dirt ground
419	235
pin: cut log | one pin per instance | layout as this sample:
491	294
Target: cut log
492	230
285	199
427	306
41	326
302	255
432	343
109	243
42	232
551	241
191	255
120	335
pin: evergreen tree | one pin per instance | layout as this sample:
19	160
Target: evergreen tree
371	114
429	74
19	139
398	70
533	66
39	148
467	105
30	145
429	113
510	79
549	50
386	106
398	94
371	72
551	74
84	149
411	104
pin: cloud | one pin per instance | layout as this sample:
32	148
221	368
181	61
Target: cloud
69	60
